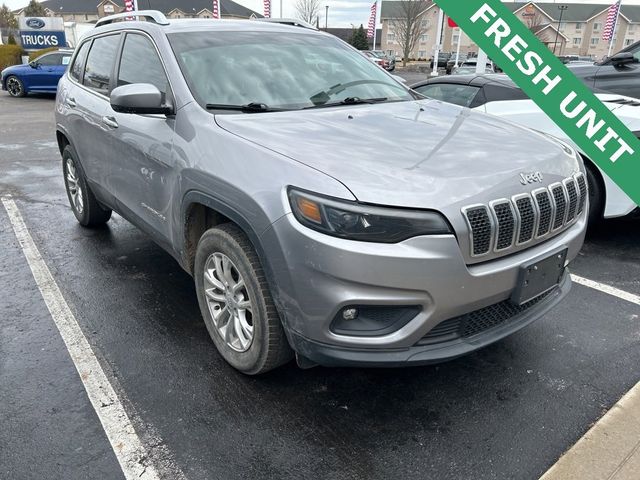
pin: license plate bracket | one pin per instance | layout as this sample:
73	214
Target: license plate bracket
539	276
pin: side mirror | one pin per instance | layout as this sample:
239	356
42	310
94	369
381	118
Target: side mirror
622	58
34	64
140	98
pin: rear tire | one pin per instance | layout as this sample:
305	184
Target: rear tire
236	303
15	87
596	196
86	208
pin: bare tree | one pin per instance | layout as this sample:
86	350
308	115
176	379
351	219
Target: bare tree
307	10
408	26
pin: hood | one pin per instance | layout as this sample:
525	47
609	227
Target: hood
15	69
420	154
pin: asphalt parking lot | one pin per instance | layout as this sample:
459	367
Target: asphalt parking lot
508	411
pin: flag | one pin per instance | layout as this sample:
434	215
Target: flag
267	8
128	7
372	20
612	19
216	8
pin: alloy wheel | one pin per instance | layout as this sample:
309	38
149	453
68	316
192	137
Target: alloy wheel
14	86
228	302
73	185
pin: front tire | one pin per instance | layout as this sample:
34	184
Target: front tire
84	205
236	304
15	87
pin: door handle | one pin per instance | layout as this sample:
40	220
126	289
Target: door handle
71	102
110	122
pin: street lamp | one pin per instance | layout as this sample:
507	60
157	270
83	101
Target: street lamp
562	8
326	17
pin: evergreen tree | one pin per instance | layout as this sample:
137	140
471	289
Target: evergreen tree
359	39
8	21
34	9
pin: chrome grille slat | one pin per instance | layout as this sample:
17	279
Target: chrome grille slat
560	199
507	223
582	187
572	195
527	217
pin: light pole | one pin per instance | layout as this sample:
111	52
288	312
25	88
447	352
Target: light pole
326	17
562	8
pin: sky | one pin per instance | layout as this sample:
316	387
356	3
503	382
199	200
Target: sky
342	13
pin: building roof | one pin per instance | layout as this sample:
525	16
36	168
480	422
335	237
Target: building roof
227	7
393	9
579	12
345	34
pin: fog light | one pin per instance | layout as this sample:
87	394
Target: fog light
350	313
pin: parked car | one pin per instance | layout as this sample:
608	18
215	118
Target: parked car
498	95
391	60
619	74
443	58
40	75
454	60
470	69
382	62
258	174
568	59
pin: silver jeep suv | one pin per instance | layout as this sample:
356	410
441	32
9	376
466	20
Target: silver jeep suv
321	206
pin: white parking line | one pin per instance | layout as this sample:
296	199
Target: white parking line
616	292
126	444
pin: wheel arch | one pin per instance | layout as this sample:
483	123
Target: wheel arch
200	212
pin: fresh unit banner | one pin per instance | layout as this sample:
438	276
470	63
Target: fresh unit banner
552	86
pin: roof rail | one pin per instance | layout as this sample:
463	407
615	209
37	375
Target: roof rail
288	21
151	15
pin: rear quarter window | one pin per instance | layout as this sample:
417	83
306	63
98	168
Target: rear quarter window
78	63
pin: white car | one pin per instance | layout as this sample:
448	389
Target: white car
498	95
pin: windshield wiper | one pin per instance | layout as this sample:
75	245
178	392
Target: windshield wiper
350	101
253	107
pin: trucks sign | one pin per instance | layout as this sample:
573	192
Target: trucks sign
42	32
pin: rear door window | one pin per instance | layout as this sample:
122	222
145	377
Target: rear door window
97	73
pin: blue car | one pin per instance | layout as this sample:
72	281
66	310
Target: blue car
41	75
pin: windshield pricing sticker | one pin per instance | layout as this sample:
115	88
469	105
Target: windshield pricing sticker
552	86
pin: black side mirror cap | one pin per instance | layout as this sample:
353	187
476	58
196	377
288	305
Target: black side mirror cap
622	58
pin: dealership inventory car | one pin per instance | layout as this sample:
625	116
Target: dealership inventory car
257	172
619	74
390	59
498	95
40	75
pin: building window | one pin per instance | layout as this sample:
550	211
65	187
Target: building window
597	26
595	41
456	38
391	37
578	26
423	38
631	28
422	54
562	25
628	41
577	41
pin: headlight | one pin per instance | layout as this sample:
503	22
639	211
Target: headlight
355	221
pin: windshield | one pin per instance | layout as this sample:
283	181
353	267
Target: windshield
276	71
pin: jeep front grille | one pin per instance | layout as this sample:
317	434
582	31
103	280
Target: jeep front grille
507	223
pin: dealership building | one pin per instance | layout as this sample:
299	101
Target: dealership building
578	32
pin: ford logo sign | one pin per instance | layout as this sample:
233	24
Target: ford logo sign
35	23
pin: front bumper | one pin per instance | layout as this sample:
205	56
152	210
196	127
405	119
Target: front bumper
314	276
